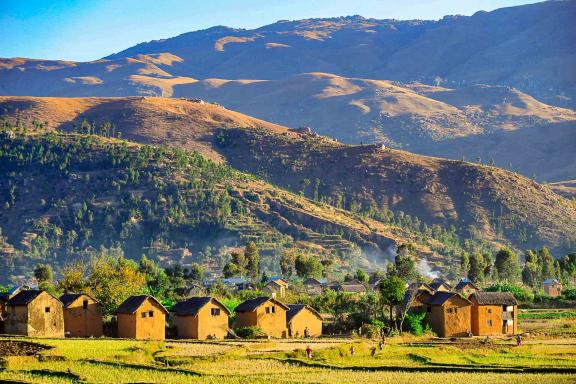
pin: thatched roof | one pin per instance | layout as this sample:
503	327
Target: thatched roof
493	298
193	305
131	304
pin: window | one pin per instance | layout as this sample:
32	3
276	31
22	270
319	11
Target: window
273	309
151	314
267	309
85	304
47	309
144	314
453	310
429	309
215	311
489	310
489	323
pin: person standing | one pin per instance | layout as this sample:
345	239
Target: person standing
309	352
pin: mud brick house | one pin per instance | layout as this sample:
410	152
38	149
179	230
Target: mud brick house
34	313
494	313
142	317
313	287
449	314
465	287
302	319
276	288
266	313
552	287
439	285
201	318
82	315
415	298
4	297
352	286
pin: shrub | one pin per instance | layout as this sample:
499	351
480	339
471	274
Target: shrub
520	293
416	323
569	294
249	332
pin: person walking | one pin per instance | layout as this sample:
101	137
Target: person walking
352	351
373	352
309	352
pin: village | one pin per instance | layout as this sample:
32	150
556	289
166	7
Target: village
450	311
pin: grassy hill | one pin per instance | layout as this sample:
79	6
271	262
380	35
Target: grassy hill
478	201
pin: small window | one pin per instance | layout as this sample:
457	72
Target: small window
267	309
47	309
215	311
429	309
144	314
85	304
489	310
273	309
151	314
489	323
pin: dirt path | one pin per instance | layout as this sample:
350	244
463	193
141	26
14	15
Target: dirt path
20	348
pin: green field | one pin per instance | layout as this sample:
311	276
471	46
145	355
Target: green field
403	360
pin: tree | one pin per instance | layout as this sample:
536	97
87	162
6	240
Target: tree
392	291
196	272
405	267
465	263
73	277
507	265
231	270
43	274
546	261
239	259
252	255
361	276
307	266
531	272
287	263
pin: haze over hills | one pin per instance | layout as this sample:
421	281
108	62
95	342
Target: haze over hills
479	201
495	86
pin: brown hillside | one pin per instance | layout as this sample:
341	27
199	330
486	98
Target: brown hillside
478	200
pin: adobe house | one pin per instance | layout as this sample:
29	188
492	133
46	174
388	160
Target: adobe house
34	313
276	288
4	297
465	287
201	318
302	319
494	313
313	287
352	286
416	297
439	285
449	314
266	313
82	315
420	287
552	287
142	317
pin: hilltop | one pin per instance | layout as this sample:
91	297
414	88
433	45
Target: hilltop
479	201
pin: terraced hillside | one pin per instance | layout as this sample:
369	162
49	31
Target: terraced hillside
479	201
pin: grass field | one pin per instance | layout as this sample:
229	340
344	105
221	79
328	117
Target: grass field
545	358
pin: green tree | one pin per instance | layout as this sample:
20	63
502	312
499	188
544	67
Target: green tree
231	270
252	255
43	274
465	264
507	265
361	276
308	266
392	290
196	272
405	267
546	261
287	263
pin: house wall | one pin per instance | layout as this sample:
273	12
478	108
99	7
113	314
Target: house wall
457	324
34	321
80	322
435	318
135	326
273	324
203	325
305	318
481	314
552	290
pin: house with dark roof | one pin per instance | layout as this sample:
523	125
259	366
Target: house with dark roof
494	313
351	286
303	321
313	286
82	315
465	287
34	313
200	318
449	314
439	285
266	313
4	297
276	287
552	287
142	317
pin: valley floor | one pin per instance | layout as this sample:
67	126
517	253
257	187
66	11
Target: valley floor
544	358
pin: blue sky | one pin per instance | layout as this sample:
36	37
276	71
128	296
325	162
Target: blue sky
85	30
